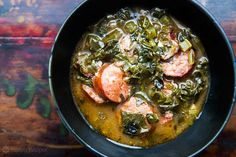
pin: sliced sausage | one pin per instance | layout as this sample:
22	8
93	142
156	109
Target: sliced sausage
93	94
97	85
178	66
136	106
113	84
133	106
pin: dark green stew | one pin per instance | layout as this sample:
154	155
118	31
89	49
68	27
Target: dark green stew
140	77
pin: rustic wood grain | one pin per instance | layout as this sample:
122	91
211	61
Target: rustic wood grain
27	32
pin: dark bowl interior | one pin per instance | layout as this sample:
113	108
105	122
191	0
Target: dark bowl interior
220	100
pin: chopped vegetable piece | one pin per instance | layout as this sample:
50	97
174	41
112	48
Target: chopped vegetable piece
152	118
134	123
191	57
185	45
130	26
152	43
151	32
144	21
94	42
115	34
142	95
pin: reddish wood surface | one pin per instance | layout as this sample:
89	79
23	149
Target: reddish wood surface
29	125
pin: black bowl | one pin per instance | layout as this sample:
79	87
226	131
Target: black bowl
222	90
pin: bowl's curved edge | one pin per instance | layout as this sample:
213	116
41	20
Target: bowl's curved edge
223	34
61	116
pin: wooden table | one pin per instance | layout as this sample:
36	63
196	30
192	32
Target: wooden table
29	125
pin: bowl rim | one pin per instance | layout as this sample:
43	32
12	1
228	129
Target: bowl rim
210	16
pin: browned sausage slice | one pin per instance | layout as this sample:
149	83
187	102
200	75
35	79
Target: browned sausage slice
92	94
136	106
133	106
97	80
113	85
178	66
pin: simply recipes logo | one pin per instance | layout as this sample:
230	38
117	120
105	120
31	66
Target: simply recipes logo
26	150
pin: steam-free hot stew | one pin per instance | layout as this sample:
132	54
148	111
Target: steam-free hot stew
139	77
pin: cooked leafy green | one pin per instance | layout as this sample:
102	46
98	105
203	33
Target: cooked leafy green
93	42
185	45
189	89
130	26
133	124
144	22
115	34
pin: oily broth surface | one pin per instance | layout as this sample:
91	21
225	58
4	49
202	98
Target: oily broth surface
102	117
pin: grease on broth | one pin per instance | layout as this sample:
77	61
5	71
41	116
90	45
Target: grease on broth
139	77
